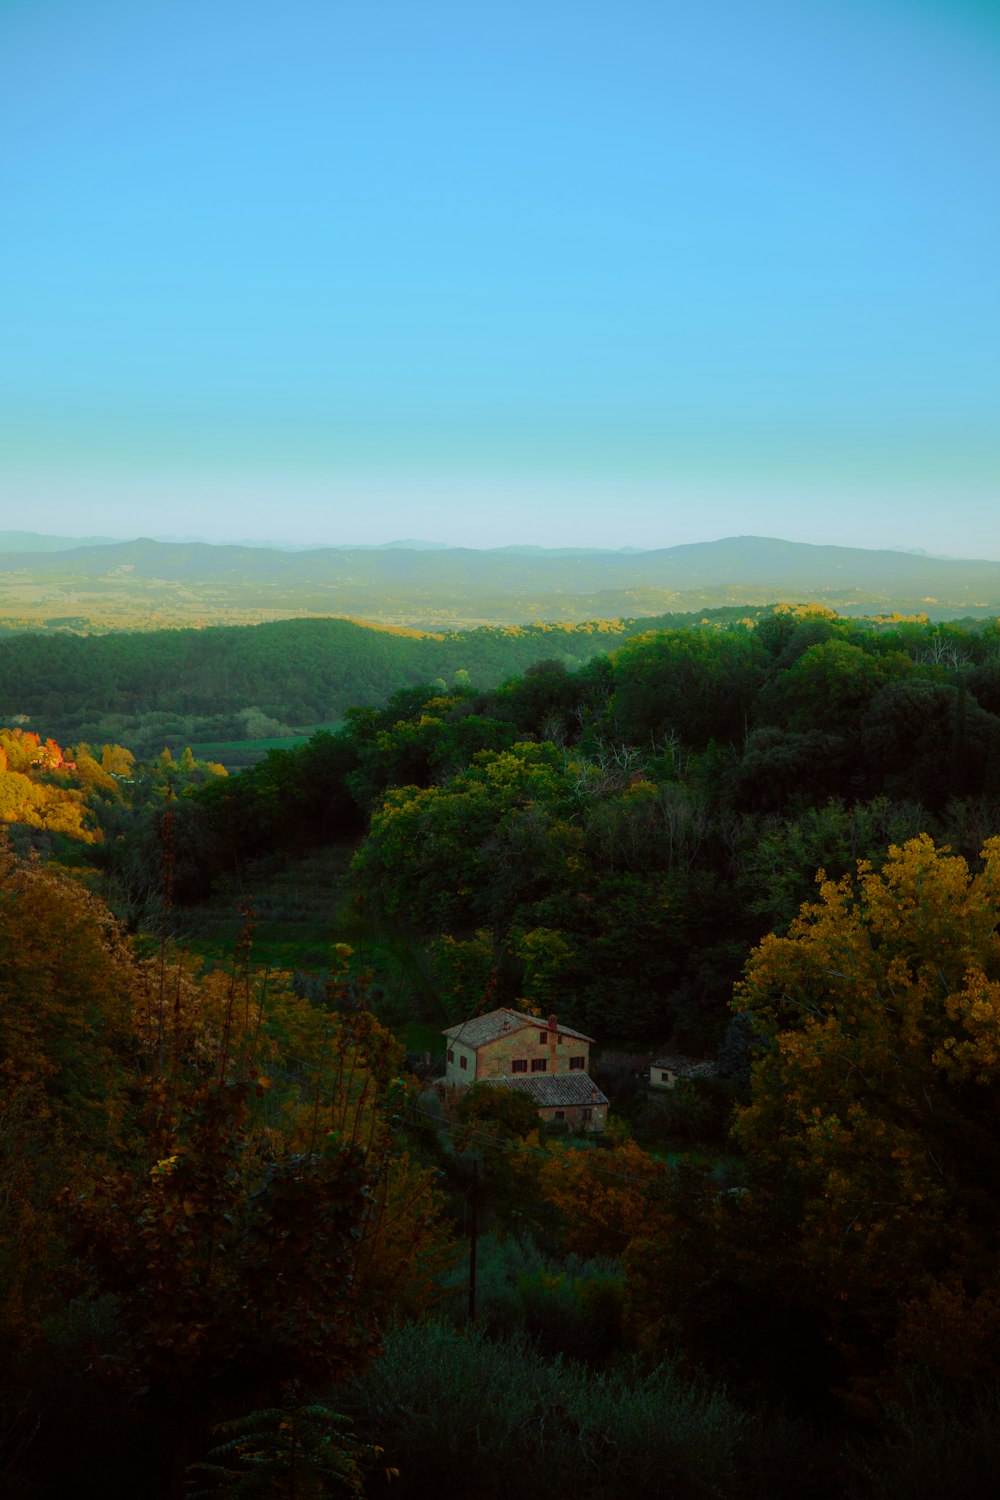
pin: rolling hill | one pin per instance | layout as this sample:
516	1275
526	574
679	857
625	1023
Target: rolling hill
149	583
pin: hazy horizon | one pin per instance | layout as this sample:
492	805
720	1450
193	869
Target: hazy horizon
557	275
423	544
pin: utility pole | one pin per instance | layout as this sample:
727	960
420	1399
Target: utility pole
473	1236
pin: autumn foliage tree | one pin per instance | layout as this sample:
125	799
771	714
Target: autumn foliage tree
872	1129
67	998
273	1224
204	1170
604	1197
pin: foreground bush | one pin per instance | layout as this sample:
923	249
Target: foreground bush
487	1415
571	1305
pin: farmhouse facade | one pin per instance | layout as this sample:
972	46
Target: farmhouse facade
506	1043
542	1058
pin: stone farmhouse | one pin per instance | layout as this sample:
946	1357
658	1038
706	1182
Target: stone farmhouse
543	1059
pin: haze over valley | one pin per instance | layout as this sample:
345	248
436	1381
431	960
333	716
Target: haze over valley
145	583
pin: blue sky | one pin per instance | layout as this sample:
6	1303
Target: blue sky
566	273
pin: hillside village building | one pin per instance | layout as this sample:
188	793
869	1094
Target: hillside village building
543	1059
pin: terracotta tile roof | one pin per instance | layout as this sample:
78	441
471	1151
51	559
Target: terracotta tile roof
550	1090
503	1022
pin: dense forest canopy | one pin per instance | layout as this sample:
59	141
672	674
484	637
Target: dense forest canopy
670	803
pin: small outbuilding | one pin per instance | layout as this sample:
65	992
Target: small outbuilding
666	1072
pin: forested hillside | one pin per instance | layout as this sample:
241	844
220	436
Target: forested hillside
148	689
776	1282
610	842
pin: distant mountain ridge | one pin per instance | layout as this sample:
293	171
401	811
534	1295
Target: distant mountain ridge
454	587
760	561
37	541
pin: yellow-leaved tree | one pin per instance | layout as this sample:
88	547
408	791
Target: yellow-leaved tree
872	1132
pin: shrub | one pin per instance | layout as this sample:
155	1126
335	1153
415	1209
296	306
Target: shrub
485	1416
